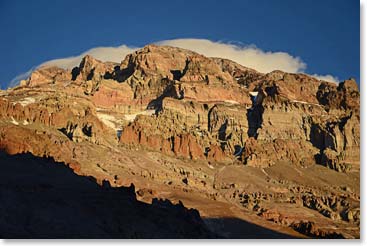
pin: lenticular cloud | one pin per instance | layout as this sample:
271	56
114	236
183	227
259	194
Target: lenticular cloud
246	55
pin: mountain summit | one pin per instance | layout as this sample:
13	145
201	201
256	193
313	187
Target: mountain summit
280	150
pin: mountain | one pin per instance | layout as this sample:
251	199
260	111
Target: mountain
45	199
277	150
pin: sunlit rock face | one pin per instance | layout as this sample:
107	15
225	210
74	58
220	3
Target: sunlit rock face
169	105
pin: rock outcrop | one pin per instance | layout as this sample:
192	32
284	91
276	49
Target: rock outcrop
209	114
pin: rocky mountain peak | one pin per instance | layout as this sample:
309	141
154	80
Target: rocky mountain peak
179	124
92	69
88	62
349	84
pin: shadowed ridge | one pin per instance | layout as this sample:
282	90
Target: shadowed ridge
41	198
236	228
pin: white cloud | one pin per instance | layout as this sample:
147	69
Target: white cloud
248	56
327	77
15	81
113	54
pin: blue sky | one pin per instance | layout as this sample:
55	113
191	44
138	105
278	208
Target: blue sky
323	33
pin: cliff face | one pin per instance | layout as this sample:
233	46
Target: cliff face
185	106
220	103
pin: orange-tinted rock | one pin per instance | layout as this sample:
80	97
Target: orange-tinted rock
199	104
215	153
45	75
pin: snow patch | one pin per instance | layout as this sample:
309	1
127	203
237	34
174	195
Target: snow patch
108	120
303	102
131	117
112	122
14	121
27	100
300	101
254	95
231	101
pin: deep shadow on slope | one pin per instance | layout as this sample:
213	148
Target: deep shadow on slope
235	228
40	198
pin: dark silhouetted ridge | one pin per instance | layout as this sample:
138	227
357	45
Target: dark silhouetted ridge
40	198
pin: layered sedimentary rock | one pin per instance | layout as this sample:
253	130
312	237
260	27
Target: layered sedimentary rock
194	110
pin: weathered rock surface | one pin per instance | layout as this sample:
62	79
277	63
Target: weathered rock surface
193	119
